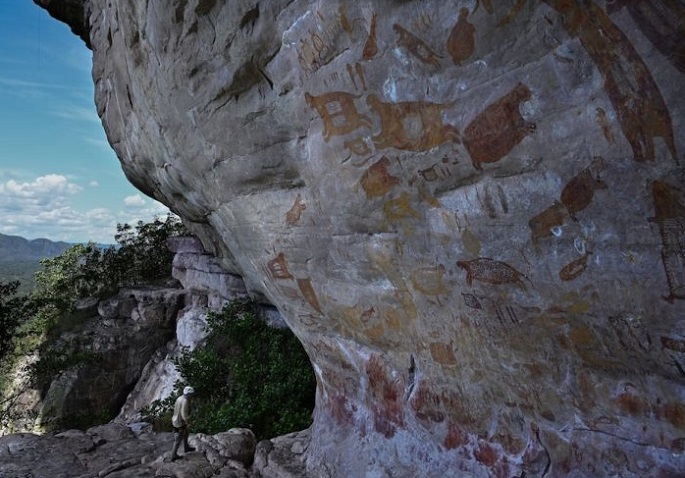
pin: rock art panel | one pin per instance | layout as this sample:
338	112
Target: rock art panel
443	354
639	105
292	217
358	146
401	208
547	223
416	47
278	267
338	184
357	72
491	271
661	21
371	45
430	281
376	180
579	191
604	123
575	268
338	113
387	409
305	286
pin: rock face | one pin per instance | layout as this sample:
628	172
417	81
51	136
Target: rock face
124	346
105	356
206	287
471	213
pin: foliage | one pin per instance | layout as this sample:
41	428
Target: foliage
55	360
34	323
141	256
249	375
143	250
63	278
12	313
22	271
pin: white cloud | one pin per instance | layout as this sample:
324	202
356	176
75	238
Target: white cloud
135	200
93	184
42	190
76	112
153	209
16	83
44	207
99	143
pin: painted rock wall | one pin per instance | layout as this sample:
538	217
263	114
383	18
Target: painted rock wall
472	213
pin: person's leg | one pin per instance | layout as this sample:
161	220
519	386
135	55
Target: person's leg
178	438
186	447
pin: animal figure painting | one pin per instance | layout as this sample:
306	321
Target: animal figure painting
491	271
411	125
498	128
669	214
338	112
461	42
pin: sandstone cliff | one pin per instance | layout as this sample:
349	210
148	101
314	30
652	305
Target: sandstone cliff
117	354
471	213
135	335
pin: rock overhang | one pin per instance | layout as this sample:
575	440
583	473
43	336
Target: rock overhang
472	217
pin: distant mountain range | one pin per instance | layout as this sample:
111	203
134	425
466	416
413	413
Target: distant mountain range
20	258
16	248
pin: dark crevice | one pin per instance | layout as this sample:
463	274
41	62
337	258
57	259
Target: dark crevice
250	18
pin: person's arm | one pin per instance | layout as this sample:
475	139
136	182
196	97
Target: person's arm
185	412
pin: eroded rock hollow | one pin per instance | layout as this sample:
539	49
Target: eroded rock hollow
471	212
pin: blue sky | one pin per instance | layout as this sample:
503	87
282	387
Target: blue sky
59	178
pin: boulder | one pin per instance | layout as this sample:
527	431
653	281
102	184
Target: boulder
237	444
104	358
284	457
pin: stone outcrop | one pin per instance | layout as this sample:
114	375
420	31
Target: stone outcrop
201	274
110	343
207	287
285	457
126	345
118	451
471	213
170	320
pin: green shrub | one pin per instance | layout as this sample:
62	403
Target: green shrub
12	314
249	375
55	360
34	323
141	256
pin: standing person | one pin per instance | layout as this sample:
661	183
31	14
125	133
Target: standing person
180	422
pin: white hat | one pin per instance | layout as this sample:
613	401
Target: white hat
188	391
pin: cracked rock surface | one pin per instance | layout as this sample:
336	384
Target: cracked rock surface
471	213
116	451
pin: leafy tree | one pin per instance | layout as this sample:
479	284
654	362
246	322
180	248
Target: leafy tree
13	310
141	256
63	279
249	375
35	322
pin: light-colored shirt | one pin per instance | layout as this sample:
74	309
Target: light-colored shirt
181	412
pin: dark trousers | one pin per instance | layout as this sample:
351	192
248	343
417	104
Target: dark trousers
180	435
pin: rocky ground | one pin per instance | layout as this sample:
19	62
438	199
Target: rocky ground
135	451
